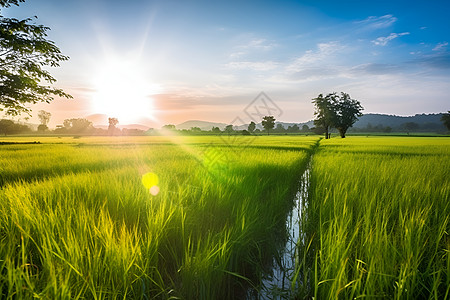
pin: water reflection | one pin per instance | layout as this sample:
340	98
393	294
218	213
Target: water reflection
279	283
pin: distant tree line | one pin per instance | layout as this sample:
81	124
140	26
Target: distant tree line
406	127
82	126
8	127
74	126
267	122
446	119
268	128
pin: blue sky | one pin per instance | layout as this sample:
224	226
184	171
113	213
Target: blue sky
160	62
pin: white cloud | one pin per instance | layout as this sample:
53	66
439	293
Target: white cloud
373	22
316	64
253	47
261	44
237	55
324	51
384	40
374	69
252	65
256	44
441	47
401	94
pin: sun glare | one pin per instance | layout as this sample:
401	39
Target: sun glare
123	92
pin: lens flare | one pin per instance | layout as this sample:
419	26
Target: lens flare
150	181
154	190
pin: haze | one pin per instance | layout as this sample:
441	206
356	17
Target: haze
161	62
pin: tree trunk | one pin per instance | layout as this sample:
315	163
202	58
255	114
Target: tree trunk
326	133
342	132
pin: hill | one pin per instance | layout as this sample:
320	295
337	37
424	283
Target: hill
203	125
424	122
396	121
127	126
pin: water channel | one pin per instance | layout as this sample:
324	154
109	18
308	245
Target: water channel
278	283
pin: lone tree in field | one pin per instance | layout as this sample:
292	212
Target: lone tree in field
25	55
268	122
338	111
446	119
44	117
347	111
251	127
324	112
112	125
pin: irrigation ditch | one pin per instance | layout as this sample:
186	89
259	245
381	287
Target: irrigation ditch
282	281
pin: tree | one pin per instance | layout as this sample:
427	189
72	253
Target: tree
318	130
42	128
280	128
7	3
79	125
25	55
293	129
305	128
112	122
251	127
168	127
44	117
347	111
338	111
229	129
6	126
324	112
132	132
268	122
411	126
215	129
446	119
10	127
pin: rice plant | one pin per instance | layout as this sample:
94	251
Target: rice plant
84	219
377	220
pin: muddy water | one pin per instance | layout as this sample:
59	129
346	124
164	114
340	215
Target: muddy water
278	284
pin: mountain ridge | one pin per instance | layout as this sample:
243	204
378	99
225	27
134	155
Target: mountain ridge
371	119
425	121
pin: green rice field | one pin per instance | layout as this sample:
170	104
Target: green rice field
377	221
204	217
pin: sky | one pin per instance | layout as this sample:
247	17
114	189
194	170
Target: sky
169	61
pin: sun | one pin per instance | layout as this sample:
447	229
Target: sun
123	92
